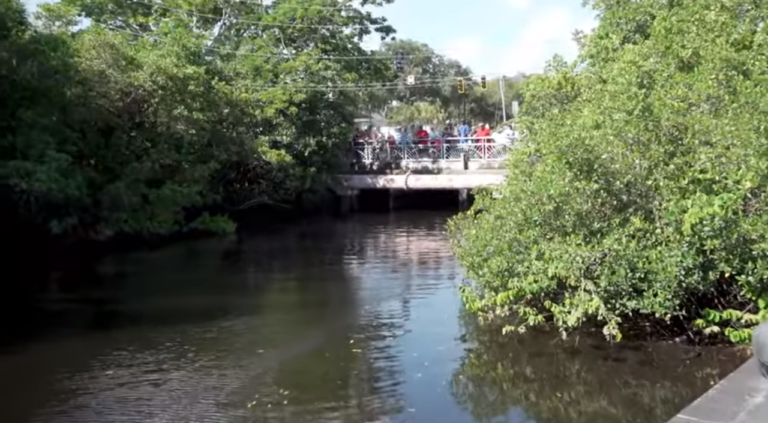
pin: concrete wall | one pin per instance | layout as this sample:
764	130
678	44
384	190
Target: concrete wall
418	181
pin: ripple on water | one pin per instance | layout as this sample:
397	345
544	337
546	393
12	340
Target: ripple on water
355	321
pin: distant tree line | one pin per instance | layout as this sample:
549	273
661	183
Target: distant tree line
435	96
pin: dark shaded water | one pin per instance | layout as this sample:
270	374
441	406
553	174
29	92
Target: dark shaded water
344	321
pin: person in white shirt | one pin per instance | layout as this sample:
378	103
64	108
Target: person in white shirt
505	136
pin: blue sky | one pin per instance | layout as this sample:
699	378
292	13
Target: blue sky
493	37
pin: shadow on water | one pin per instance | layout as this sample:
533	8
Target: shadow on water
344	321
374	200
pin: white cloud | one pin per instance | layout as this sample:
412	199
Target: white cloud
545	35
519	4
465	50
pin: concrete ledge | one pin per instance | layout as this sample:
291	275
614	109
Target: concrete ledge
442	166
742	397
421	181
424	171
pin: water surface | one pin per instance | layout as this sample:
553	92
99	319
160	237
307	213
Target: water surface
336	321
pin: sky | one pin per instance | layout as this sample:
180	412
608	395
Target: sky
492	37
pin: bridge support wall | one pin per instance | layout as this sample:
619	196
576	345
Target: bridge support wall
419	181
463	199
348	201
393	187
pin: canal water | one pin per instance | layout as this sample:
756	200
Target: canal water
335	321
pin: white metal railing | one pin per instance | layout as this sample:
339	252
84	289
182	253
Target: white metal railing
448	149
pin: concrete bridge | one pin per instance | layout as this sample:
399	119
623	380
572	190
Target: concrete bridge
457	167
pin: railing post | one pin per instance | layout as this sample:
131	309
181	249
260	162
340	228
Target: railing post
477	149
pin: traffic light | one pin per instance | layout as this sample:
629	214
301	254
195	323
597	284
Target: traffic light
460	85
483	83
399	59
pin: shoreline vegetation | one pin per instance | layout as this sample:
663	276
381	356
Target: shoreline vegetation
137	135
643	212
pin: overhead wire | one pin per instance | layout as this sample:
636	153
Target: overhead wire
247	21
282	56
366	86
394	85
287	25
302	6
275	56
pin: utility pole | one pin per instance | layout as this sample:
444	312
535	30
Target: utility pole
503	103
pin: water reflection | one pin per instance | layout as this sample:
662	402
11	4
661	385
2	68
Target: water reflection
539	377
340	321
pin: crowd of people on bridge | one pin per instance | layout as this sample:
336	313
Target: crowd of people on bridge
461	133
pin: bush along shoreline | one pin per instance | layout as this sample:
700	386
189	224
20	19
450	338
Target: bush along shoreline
147	134
644	210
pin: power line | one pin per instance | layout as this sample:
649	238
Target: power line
395	85
247	21
281	56
429	82
369	86
294	5
325	58
365	87
290	25
337	88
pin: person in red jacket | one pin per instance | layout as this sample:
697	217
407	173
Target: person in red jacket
391	139
484	134
422	136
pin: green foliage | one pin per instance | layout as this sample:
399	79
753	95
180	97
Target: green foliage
417	113
425	65
737	323
486	105
152	112
214	224
639	190
435	85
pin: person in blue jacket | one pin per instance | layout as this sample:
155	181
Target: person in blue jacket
464	131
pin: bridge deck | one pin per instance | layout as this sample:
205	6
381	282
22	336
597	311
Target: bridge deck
451	181
742	397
